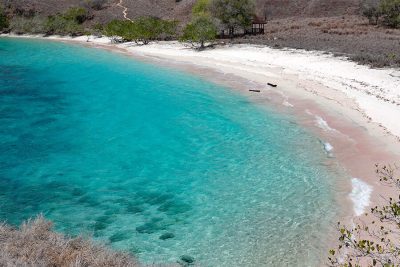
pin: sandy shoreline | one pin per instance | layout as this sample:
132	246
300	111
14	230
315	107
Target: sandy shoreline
353	109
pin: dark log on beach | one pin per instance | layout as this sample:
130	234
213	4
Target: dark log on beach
271	84
254	90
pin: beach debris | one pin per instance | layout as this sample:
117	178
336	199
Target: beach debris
272	85
186	260
166	236
254	90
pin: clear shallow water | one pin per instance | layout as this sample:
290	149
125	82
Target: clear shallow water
127	152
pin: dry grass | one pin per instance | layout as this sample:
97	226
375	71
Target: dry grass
35	244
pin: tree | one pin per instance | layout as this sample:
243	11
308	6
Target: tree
233	14
201	30
78	14
376	244
390	10
3	20
372	13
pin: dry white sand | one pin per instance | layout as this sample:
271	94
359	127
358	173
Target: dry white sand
376	91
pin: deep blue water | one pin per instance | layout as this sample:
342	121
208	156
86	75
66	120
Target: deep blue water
128	152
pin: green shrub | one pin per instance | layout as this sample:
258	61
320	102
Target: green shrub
97	29
201	30
201	7
77	14
233	13
118	28
24	25
4	23
68	23
60	25
390	10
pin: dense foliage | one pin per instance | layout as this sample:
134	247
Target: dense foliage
67	23
201	30
378	243
34	25
385	11
233	14
142	30
390	10
3	20
201	7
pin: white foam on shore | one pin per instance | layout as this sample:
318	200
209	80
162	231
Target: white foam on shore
323	124
360	195
328	147
287	104
320	122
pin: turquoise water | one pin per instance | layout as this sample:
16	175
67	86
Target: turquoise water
133	153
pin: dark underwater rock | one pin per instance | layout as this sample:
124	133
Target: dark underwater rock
187	259
166	236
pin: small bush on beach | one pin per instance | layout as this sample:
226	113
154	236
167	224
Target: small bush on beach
35	244
377	243
201	30
3	20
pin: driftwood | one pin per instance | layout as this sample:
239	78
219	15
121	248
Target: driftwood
272	85
254	90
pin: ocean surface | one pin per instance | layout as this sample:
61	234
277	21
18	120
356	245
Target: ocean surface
157	162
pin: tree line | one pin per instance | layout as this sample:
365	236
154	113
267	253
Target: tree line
208	16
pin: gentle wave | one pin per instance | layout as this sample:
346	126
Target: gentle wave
360	195
320	122
328	147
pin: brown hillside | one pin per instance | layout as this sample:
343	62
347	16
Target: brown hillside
273	9
309	8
